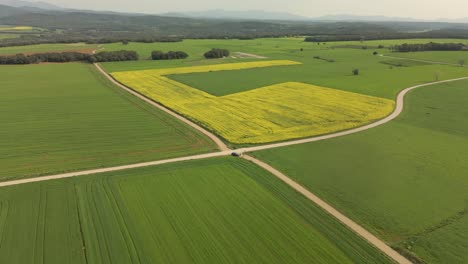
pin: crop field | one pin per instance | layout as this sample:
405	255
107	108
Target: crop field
212	211
46	48
15	28
274	113
63	117
375	78
7	36
405	180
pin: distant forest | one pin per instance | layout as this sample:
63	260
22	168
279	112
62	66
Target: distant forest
95	27
429	47
61	57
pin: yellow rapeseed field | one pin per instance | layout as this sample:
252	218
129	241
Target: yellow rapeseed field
274	113
20	28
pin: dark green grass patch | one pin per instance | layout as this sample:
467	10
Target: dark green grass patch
66	117
406	181
212	211
403	63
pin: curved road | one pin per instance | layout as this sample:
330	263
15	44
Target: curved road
225	151
398	110
357	229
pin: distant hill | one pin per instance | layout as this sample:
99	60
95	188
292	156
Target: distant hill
20	3
355	18
244	15
6	11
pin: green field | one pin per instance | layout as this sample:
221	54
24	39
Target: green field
46	48
212	211
439	56
63	117
406	181
376	78
8	36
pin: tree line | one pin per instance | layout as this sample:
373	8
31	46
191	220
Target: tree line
217	53
171	55
62	57
431	46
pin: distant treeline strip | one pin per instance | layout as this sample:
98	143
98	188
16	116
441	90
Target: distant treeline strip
436	34
62	57
171	55
431	46
88	38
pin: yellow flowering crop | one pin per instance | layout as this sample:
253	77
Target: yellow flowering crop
274	113
21	28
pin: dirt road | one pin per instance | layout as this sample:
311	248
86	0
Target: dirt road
398	110
425	61
333	212
248	55
225	151
117	168
214	138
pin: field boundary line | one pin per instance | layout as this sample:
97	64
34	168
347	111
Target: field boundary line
357	229
221	145
426	61
117	168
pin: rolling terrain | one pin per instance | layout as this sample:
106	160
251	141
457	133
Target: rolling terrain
141	197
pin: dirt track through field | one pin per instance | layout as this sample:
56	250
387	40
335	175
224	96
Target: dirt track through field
398	110
425	61
225	151
248	55
111	169
359	230
214	138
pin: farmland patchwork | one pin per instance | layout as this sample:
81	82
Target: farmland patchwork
273	113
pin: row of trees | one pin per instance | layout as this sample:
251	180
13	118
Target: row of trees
217	53
85	37
62	57
122	55
431	46
171	55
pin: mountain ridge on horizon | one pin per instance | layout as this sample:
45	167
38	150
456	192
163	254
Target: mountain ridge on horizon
234	14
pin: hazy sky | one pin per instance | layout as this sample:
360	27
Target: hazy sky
426	9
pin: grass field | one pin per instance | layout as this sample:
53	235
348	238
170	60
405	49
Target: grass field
46	48
8	36
406	180
404	63
212	211
438	56
63	117
274	113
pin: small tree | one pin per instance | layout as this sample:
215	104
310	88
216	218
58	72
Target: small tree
461	62
92	59
302	49
375	53
356	72
125	42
